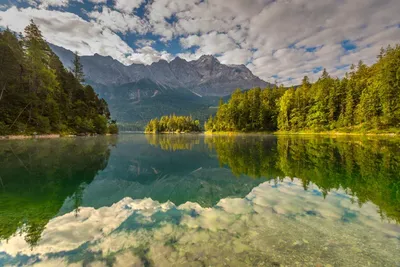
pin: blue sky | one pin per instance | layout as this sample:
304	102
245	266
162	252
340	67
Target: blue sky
279	40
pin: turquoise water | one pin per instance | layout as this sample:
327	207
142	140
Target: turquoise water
194	200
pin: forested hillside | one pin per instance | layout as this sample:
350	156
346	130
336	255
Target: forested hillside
367	99
38	95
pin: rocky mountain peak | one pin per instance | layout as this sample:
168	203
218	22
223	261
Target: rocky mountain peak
204	76
207	59
178	59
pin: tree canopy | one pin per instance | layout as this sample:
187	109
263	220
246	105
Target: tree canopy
173	123
38	95
366	99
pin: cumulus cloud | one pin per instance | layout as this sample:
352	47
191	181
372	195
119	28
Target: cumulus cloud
87	37
147	55
119	22
98	1
127	6
288	26
212	43
70	31
282	40
52	3
144	42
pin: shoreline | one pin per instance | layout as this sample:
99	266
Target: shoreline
174	133
45	136
304	133
23	137
56	136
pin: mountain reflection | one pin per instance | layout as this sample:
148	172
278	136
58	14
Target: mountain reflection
38	175
164	172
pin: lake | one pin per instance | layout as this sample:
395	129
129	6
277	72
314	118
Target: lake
195	200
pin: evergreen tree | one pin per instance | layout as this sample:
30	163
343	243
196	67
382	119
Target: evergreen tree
77	68
38	95
173	123
367	98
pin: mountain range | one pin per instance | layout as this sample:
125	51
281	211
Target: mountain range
138	92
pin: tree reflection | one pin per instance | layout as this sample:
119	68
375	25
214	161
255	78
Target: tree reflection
173	142
368	169
37	177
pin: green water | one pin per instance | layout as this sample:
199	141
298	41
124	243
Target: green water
194	200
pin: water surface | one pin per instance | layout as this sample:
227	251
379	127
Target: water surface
194	200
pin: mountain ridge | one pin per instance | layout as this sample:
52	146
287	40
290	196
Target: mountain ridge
205	76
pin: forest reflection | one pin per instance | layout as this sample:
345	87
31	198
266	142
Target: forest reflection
173	142
367	168
37	176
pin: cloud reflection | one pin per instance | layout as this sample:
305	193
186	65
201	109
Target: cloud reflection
237	231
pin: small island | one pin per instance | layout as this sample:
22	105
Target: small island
173	124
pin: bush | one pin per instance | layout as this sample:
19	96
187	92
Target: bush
100	124
113	128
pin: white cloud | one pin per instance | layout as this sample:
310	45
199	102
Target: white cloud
274	35
98	1
52	3
147	55
235	56
268	26
144	42
127	6
70	31
211	43
119	22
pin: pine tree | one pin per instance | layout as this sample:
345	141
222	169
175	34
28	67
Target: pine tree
77	68
38	95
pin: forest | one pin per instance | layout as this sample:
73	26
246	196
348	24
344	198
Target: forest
172	124
367	99
39	96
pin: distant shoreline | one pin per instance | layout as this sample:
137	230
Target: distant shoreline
174	133
56	136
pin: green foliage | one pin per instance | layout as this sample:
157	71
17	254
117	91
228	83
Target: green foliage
113	128
367	99
135	104
37	176
252	110
367	168
173	123
77	68
38	95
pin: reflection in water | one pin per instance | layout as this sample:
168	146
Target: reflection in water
263	229
193	200
368	169
38	175
173	142
139	170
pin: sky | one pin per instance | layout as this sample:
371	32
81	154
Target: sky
278	40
